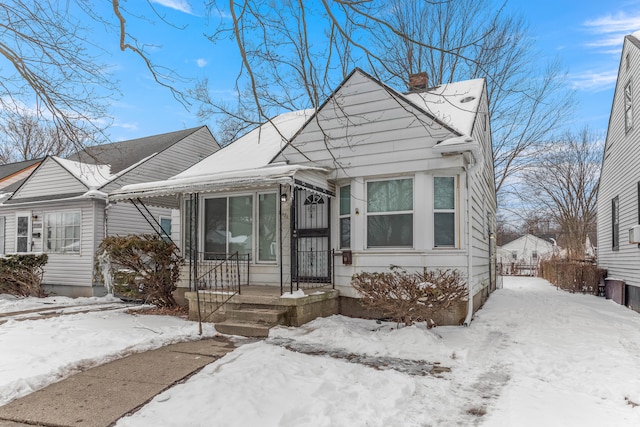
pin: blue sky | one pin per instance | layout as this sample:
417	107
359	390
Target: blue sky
586	36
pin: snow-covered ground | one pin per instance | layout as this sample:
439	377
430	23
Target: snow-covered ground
532	356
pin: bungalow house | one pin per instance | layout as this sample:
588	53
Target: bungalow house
374	178
61	208
619	186
522	255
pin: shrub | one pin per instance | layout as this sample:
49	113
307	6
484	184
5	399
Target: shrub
21	275
143	267
573	276
410	297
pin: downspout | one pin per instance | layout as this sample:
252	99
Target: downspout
470	173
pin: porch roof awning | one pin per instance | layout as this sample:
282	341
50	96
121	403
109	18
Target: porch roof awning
166	193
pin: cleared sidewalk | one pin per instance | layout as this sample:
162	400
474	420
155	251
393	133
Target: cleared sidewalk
102	395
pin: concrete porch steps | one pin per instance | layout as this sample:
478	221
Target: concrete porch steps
267	316
244	329
252	321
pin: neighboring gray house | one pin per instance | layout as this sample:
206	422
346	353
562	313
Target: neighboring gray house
619	187
61	208
374	178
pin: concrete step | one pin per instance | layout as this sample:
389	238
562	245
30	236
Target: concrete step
244	329
259	315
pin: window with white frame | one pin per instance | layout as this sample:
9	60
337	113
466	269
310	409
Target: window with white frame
62	232
628	108
444	211
615	223
2	226
390	213
345	217
165	228
267	226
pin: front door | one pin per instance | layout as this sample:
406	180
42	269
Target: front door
311	247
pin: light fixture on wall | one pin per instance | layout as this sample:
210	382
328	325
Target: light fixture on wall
283	197
34	217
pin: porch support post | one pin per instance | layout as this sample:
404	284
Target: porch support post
280	238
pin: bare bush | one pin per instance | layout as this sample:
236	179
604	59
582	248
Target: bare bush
411	297
572	276
21	275
144	267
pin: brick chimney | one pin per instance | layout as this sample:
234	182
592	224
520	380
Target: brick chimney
418	82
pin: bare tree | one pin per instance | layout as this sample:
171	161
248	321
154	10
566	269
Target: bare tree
477	38
51	70
294	52
563	185
26	136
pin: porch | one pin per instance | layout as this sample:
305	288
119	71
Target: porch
258	308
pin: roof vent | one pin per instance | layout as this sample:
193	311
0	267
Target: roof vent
467	99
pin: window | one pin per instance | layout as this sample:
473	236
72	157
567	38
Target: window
2	224
62	232
534	255
628	110
165	228
189	226
615	224
267	226
390	213
228	225
345	217
514	255
23	230
444	211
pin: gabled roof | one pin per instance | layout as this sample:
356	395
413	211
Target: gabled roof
252	156
253	150
13	168
122	155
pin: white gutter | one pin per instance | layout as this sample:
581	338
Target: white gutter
466	146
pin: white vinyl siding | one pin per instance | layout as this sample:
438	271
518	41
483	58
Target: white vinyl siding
49	179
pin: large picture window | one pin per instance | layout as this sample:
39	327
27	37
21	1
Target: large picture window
390	213
444	211
62	232
345	217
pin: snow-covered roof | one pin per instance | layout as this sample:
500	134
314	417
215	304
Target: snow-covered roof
223	181
254	150
242	163
93	176
455	104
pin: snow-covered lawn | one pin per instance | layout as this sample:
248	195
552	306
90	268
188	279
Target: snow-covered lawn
533	356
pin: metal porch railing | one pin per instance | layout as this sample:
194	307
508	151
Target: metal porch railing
220	277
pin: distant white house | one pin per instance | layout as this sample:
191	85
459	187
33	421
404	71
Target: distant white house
374	178
619	187
525	252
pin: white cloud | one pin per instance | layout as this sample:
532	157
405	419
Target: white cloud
201	62
179	5
594	81
609	30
